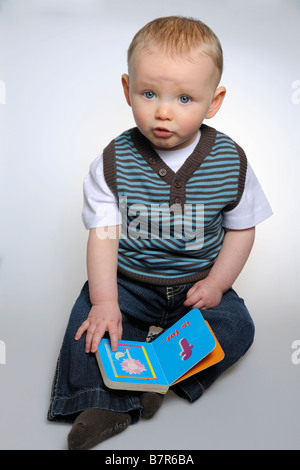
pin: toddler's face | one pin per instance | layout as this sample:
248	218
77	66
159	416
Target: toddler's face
171	96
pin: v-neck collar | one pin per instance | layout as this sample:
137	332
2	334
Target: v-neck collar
191	164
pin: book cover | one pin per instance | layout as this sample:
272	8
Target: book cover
157	365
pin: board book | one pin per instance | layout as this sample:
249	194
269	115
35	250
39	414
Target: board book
184	349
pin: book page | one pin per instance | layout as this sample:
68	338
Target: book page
134	362
183	345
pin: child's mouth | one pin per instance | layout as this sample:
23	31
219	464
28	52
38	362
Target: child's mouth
162	132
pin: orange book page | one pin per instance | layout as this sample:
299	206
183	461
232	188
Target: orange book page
215	356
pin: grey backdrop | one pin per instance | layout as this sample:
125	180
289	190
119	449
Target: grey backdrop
61	102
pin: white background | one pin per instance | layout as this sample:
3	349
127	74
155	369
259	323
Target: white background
60	65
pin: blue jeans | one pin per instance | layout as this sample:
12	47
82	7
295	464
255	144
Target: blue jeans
77	383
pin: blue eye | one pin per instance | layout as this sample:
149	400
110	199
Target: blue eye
184	99
149	95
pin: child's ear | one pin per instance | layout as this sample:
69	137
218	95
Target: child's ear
125	83
216	102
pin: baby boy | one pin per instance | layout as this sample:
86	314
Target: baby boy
171	161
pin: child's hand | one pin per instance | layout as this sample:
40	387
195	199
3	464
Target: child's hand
103	317
204	294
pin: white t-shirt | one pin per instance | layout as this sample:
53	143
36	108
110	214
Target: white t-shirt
100	206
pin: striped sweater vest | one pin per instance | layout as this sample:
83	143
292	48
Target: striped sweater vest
172	222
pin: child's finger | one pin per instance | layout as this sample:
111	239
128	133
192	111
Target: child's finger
120	330
85	325
191	291
193	297
97	336
114	336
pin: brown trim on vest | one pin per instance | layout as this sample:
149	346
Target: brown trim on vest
177	180
242	177
166	282
110	168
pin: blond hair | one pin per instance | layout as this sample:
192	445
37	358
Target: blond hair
178	35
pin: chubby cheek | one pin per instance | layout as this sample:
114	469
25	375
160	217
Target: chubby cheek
141	119
190	125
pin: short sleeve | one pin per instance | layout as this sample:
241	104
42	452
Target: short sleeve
100	207
253	207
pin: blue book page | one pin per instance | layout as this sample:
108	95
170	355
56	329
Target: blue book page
183	345
134	362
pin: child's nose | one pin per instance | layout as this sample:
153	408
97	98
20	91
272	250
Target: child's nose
164	112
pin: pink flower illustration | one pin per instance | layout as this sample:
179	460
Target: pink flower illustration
132	366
